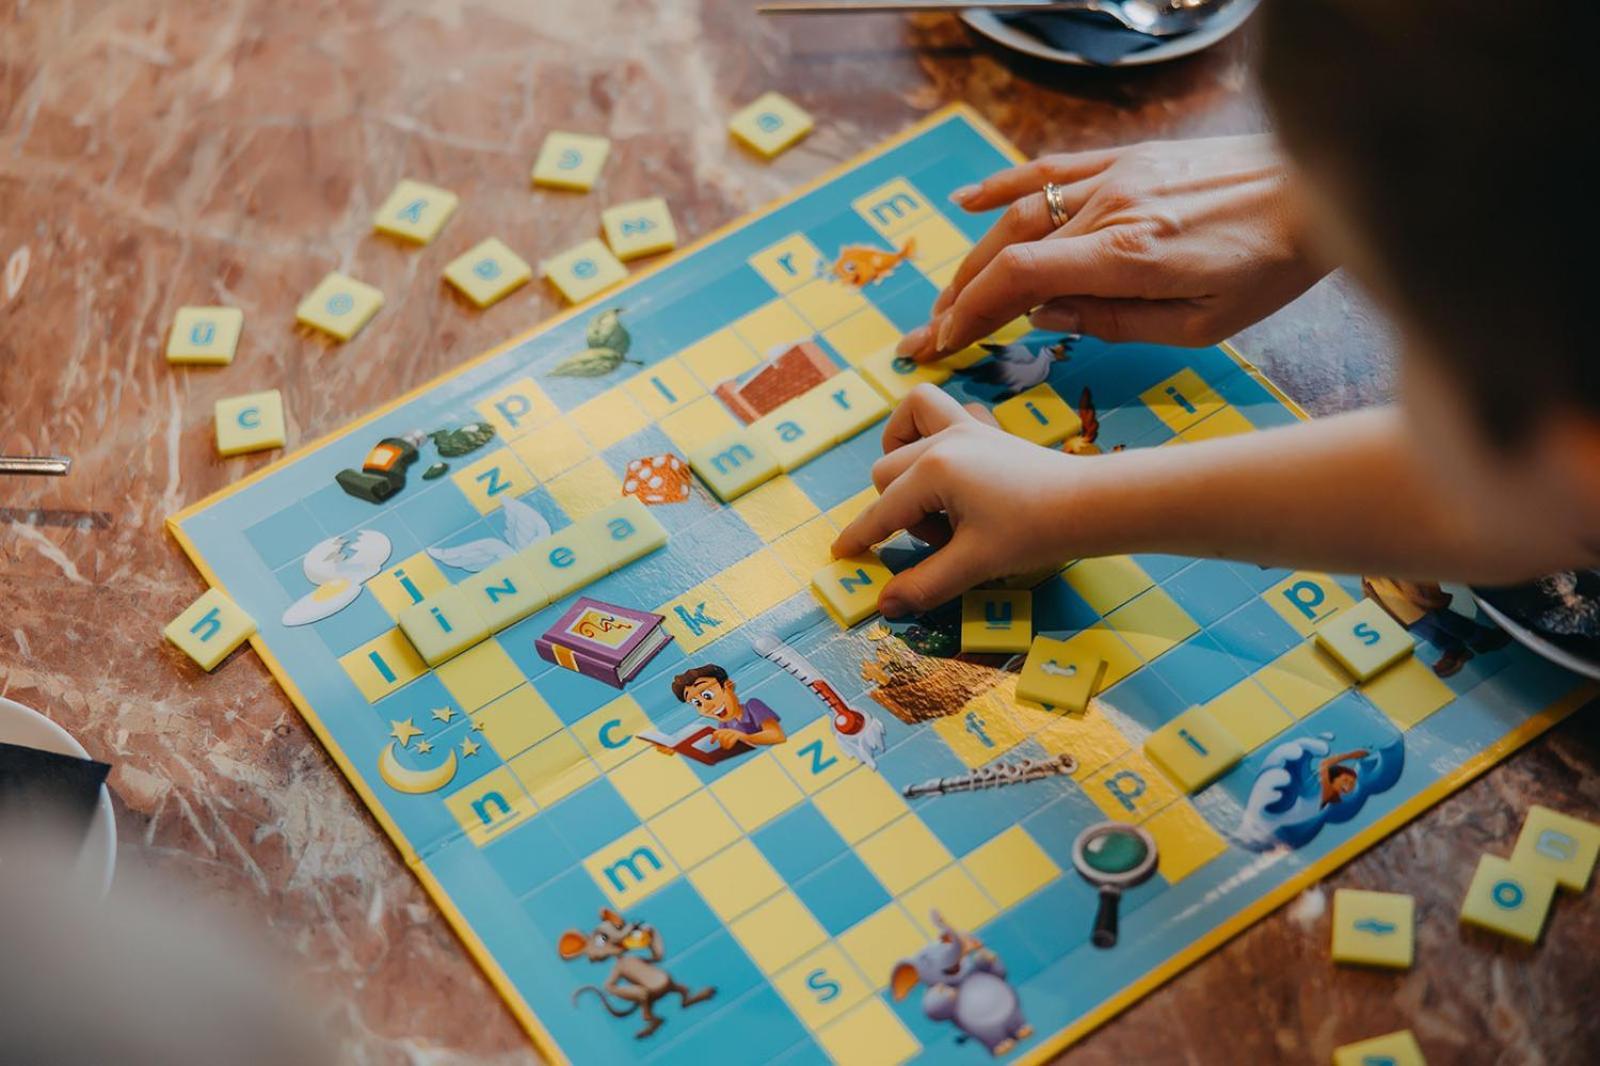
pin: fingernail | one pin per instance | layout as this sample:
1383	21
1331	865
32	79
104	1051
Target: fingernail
1059	321
947	329
913	342
963	194
892	607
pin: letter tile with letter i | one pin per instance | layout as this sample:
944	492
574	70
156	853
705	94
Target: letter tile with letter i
210	628
1374	928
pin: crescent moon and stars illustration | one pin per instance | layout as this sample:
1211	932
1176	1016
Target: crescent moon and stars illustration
420	782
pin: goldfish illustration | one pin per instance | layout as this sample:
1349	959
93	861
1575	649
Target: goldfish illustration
861	265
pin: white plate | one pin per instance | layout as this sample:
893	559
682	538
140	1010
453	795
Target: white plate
30	729
1538	644
1225	22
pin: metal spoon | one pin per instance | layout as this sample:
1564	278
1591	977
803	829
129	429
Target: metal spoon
1158	18
35	464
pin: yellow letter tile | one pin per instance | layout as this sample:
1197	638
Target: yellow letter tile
996	620
849	404
1392	1049
584	270
442	626
1558	844
205	335
570	160
415	211
488	272
249	423
639	228
1373	928
1364	639
1181	400
1058	677
625	530
210	628
1039	415
733	464
849	588
567	560
504	593
1508	899
1193	749
770	124
339	306
894	375
795	432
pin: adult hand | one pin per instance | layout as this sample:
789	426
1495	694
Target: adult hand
1176	242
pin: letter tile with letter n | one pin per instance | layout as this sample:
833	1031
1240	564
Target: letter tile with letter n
631	867
210	628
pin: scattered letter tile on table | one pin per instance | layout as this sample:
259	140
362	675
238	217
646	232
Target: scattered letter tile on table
849	588
1508	899
1391	1049
570	160
1364	639
488	272
415	211
1374	928
639	228
208	335
996	620
339	306
1039	415
1558	844
583	270
249	423
770	124
1058	677
210	628
1193	749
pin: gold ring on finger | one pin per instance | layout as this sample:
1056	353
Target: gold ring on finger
1055	201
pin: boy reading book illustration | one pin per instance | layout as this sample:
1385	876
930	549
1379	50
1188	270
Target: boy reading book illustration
740	726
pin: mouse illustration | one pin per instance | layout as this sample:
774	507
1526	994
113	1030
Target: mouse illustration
967	986
637	979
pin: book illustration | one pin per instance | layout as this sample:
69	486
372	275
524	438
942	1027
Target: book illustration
790	374
603	641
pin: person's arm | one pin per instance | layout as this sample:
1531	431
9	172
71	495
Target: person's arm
1349	494
1176	242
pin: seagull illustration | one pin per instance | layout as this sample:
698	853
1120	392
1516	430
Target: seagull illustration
1016	368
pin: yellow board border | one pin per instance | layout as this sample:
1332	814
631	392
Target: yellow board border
1158	976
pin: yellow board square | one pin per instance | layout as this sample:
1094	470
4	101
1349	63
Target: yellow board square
249	423
1130	789
1304	599
757	583
208	335
1227	422
943	275
1392	1049
504	593
982	731
491	480
756	792
796	432
825	302
584	270
383	664
778	932
1184	841
1152	623
664	387
554	768
870	1035
893	207
717	357
772	328
880	940
609	418
1107	582
698	617
694	830
566	560
625	530
1303	679
936	242
775	508
848	511
1010	867
442	626
630	868
788	264
1508	899
864	333
859	804
849	588
770	124
996	620
607	734
1373	928
517	409
339	306
1559	845
1407	693
585	488
734	879
478	675
570	160
1055	677
1039	415
1182	400
850	404
1364	639
210	628
903	853
812	756
806	550
894	375
955	895
639	228
821	986
488	272
489	806
516	721
733	464
415	211
1090	739
552	449
652	785
698	424
1194	749
1249	714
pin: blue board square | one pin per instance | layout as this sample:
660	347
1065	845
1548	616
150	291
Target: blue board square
284	536
572	695
1208	590
1198	669
591	816
841	893
799	842
758	1023
529	855
436	512
336	511
1255	634
1058	610
1145	696
681	916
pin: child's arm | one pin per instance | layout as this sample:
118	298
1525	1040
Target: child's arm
1348	494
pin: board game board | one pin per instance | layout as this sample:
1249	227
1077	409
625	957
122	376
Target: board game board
775	889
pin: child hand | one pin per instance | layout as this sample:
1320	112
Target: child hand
986	500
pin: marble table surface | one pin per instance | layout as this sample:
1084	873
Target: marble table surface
155	153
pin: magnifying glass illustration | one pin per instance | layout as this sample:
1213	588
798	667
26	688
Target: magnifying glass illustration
1113	857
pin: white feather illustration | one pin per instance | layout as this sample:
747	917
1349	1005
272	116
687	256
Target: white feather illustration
474	555
524	524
